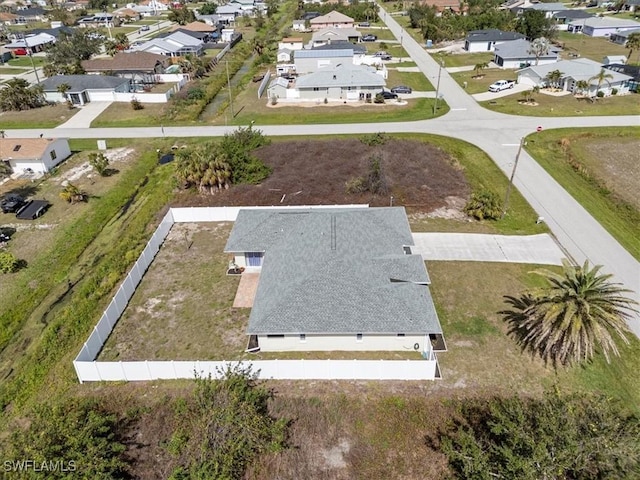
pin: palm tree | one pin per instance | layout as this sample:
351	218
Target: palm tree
553	78
633	43
600	77
203	167
539	47
63	88
579	311
479	67
72	194
582	86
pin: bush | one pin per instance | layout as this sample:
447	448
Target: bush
99	162
614	91
356	185
136	104
274	100
484	205
600	94
379	98
379	138
8	262
326	100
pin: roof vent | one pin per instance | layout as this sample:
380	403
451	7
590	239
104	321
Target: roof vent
17	147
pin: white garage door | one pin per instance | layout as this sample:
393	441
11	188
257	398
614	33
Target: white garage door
22	165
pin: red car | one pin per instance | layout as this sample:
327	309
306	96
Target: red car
20	51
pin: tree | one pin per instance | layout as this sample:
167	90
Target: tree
72	194
209	8
63	88
578	312
236	149
601	77
554	437
484	205
19	95
534	24
272	7
582	86
8	262
203	167
100	163
553	78
479	67
181	15
633	43
101	5
539	47
64	56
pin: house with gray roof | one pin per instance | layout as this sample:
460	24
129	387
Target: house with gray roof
486	40
621	37
328	35
176	44
84	88
573	72
549	9
517	54
335	279
565	17
309	61
602	26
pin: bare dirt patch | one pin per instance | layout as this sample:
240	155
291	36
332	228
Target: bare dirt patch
314	172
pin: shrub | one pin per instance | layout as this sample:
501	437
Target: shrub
8	262
600	94
379	98
99	162
195	93
614	91
136	104
274	100
326	100
356	185
484	205
379	138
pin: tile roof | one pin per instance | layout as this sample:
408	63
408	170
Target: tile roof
196	27
335	271
24	148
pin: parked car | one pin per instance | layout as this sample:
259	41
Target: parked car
364	24
383	55
144	28
12	203
387	95
369	38
501	85
401	89
20	51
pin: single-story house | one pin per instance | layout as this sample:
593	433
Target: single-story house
284	55
549	9
486	40
630	6
290	43
335	280
127	14
139	67
8	18
33	154
30	14
298	26
309	61
229	13
32	43
614	59
565	17
632	70
602	26
517	54
332	19
328	35
345	82
621	37
574	71
176	44
196	27
84	88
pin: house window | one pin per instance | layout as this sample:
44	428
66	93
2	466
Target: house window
276	336
400	335
358	337
303	337
253	259
316	89
53	154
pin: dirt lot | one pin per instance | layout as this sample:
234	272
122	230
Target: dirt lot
419	176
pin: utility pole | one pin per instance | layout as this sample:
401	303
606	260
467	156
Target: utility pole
35	71
229	87
435	103
513	174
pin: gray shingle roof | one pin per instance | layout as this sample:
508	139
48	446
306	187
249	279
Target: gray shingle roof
492	35
578	69
335	271
347	75
331	53
79	83
521	49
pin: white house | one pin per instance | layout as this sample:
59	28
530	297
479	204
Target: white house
614	60
84	88
298	26
517	54
602	26
335	279
36	154
574	71
486	40
290	43
332	19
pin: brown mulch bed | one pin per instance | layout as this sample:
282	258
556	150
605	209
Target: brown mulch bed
314	172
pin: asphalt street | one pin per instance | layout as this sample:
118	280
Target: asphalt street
499	135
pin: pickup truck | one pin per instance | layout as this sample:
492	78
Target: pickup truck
501	85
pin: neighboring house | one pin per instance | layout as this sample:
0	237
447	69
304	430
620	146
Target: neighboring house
309	61
574	71
32	43
345	82
332	19
290	43
139	67
443	5
614	59
602	26
127	14
176	44
335	280
517	54
284	55
84	88
565	17
299	26
33	154
29	15
199	27
8	18
328	35
630	6
486	40
549	9
229	13
621	37
632	70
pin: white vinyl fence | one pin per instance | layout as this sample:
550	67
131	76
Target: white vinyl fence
90	370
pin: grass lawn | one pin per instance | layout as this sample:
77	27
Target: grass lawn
44	117
12	71
463	59
608	189
567	106
589	47
25	61
481	85
122	115
381	33
415	80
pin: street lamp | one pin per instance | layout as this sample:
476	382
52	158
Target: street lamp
435	103
513	174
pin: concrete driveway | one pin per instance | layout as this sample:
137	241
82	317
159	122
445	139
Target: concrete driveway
538	249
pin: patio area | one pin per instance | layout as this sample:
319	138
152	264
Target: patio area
246	292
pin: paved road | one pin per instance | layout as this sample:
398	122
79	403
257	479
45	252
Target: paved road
497	134
477	247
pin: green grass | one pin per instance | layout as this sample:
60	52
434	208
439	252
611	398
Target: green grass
382	34
463	59
12	71
26	62
415	80
589	47
481	85
122	115
567	106
620	220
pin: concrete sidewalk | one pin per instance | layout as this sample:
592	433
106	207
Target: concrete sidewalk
538	249
86	114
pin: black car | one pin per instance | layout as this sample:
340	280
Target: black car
12	203
401	89
369	38
388	95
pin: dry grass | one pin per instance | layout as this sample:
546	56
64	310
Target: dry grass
44	117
